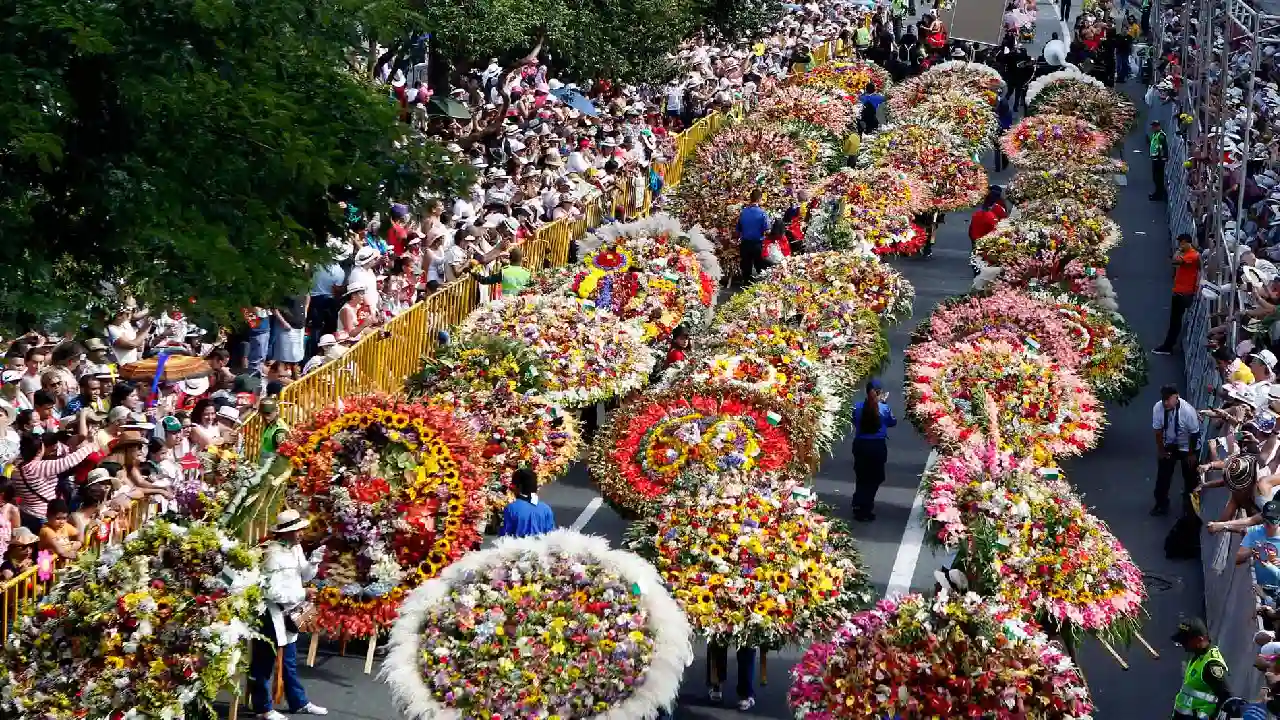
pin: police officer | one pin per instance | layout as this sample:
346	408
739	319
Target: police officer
1159	152
1204	686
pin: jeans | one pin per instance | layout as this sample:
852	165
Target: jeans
718	667
751	258
1178	306
869	458
259	345
261	668
1164	476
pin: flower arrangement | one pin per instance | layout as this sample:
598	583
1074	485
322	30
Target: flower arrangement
549	281
850	77
204	494
967	116
589	355
755	566
152	628
1085	225
1054	272
823	147
932	153
1006	314
1038	403
1088	186
688	436
1113	361
947	656
1057	141
478	364
1109	110
850	347
515	431
868	210
834	277
1058	80
833	111
395	486
1088	237
961	78
557	626
663	244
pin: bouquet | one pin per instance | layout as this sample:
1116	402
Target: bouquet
1037	402
395	486
479	363
202	494
755	566
868	210
1055	272
1083	224
1083	96
515	431
833	111
961	78
1043	142
151	628
850	77
557	626
933	153
589	355
946	657
1006	314
688	436
1113	361
550	281
1088	186
1057	81
823	147
967	117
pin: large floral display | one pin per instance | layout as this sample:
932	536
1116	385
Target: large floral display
590	355
1006	314
1037	402
1112	359
1058	141
868	211
480	363
968	117
843	280
1070	92
689	436
965	79
155	628
933	153
856	352
947	656
558	626
1089	186
832	111
851	77
755	566
1053	271
1064	227
397	488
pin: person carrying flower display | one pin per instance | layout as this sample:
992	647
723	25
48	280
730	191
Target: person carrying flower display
525	516
752	227
871	420
285	569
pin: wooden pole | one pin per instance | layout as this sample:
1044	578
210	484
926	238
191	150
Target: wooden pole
278	693
368	656
1143	641
764	666
312	648
1112	651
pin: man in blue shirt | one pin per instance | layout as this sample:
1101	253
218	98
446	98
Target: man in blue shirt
525	516
871	101
872	419
753	225
1262	544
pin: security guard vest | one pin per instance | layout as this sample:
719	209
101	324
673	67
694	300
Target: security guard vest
1196	698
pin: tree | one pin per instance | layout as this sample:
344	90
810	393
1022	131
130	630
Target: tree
188	151
736	20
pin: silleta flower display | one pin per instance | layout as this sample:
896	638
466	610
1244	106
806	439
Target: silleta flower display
833	278
830	110
964	78
1068	92
1112	359
1062	227
1005	314
755	566
968	117
867	211
932	153
395	486
1088	186
1054	272
479	363
151	628
1039	404
590	355
1050	141
949	656
688	436
848	76
558	626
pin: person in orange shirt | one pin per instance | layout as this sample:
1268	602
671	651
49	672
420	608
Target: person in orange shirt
1186	280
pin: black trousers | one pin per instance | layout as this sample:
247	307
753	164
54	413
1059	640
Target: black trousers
1178	306
1164	476
751	259
719	656
1002	160
1064	7
322	319
1019	97
1157	179
869	458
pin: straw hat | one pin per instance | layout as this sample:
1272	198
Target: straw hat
128	438
23	536
288	521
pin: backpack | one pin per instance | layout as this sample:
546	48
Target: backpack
1183	540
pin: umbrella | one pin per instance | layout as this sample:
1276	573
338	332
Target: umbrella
448	107
176	367
576	100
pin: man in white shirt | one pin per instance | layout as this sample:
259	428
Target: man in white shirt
1176	425
362	275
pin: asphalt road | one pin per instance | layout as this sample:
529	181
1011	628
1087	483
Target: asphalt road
1116	479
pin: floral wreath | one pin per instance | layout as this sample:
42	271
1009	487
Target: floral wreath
754	566
851	347
843	277
969	118
832	111
1006	314
930	152
849	76
688	436
153	628
479	363
1058	141
1113	360
393	483
662	244
963	392
559	625
944	656
1090	187
589	354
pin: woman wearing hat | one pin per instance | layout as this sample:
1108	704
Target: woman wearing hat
18	556
93	496
871	418
286	569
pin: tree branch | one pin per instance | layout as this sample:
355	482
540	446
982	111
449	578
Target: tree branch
492	128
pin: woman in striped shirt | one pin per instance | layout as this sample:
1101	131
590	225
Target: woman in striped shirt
36	479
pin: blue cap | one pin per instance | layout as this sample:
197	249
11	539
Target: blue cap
874	384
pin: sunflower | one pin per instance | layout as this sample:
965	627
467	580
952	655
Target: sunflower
715	551
705	598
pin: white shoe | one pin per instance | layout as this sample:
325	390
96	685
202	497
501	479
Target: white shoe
272	715
311	709
746	704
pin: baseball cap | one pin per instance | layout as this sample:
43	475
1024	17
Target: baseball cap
1191	629
268	405
10	376
1271	512
171	424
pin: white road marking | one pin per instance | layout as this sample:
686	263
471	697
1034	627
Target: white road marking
904	565
587	513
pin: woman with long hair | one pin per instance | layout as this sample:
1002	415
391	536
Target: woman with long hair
871	420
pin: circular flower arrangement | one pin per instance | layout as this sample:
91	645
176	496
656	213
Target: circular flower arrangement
203	496
980	482
935	155
1037	403
830	110
1058	80
1109	110
153	628
966	116
1092	188
1058	141
1089	237
478	364
1085	224
835	277
868	210
515	431
962	78
1057	273
557	626
848	76
754	566
1005	314
589	354
851	347
688	436
1113	361
393	483
945	656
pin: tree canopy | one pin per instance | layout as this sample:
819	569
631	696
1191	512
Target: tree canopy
188	152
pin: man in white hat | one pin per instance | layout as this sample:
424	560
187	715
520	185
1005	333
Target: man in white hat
362	275
286	569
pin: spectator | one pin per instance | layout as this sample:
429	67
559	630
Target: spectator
1186	281
1231	368
19	556
58	535
94	495
1177	432
1261	544
37	478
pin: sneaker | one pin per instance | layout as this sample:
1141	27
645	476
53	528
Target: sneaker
273	715
1161	351
864	516
746	704
311	709
715	695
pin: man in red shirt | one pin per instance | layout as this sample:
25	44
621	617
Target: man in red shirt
1186	280
982	223
397	233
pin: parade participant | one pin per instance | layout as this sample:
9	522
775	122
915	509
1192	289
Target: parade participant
525	516
753	225
275	429
776	247
1204	684
871	420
